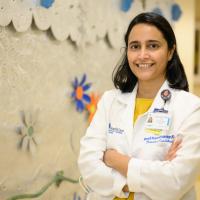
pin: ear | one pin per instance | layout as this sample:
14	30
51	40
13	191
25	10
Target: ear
171	52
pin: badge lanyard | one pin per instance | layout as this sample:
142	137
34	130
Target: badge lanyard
160	118
166	96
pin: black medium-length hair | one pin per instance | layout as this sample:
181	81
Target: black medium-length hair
124	79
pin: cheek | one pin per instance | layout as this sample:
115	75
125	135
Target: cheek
162	59
131	57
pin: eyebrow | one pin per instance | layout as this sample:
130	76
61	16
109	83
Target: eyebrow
136	41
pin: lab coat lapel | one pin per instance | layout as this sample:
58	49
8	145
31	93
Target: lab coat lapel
128	114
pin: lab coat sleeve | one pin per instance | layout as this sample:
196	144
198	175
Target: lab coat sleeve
100	178
169	180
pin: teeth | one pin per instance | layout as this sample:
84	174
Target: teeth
144	65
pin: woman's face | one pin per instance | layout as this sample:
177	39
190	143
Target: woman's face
148	53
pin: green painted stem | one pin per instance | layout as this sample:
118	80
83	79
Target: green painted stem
57	179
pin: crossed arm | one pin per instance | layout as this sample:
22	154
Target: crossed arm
119	162
141	176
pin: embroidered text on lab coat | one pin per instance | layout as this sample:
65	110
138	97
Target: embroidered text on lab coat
113	130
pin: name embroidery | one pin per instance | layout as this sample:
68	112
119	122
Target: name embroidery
113	130
160	138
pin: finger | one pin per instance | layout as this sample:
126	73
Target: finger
173	152
178	139
175	147
171	157
176	142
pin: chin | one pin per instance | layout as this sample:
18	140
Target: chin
146	77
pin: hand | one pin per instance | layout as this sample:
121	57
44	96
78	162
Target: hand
175	146
125	188
108	157
116	160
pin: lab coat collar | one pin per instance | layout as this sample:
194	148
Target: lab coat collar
126	97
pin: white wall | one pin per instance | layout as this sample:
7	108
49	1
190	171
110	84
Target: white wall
185	32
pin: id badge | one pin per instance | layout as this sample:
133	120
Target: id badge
158	121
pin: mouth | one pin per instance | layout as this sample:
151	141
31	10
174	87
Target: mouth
144	65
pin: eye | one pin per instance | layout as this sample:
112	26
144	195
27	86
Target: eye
134	47
153	46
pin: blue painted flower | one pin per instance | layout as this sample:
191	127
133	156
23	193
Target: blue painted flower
176	12
46	3
158	11
126	5
78	95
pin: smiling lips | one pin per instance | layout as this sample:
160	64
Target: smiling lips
144	65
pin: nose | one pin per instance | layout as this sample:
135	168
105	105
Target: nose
143	53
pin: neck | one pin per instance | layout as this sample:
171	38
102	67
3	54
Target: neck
148	89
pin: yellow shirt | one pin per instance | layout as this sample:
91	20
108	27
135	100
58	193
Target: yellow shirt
141	106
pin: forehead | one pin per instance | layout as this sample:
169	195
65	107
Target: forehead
145	32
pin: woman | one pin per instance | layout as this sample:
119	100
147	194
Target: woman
144	141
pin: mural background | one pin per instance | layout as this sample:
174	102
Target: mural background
43	46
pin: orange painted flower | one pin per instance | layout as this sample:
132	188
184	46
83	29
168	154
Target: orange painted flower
92	106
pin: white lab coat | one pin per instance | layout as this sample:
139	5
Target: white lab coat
149	176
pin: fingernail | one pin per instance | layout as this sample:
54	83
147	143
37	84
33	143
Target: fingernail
178	138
